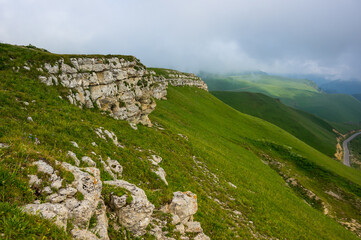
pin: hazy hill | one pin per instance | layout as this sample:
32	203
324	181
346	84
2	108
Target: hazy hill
348	87
301	94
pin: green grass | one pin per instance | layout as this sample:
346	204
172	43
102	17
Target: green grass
231	145
220	134
300	94
306	127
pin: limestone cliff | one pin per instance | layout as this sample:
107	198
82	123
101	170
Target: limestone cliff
122	86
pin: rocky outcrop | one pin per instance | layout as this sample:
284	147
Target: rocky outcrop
136	215
183	207
119	85
81	202
176	78
64	206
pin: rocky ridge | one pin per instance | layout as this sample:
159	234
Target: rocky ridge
123	87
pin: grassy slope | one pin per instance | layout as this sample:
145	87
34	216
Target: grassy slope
222	138
306	127
220	132
301	94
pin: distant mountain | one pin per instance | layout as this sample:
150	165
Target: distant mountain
302	94
318	79
339	86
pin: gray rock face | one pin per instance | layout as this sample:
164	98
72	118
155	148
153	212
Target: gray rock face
62	206
34	180
74	157
115	167
134	216
88	161
44	167
121	86
161	173
49	211
184	205
201	236
182	208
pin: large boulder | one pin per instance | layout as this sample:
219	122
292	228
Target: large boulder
183	206
136	215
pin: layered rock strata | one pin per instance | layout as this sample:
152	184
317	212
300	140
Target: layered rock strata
121	86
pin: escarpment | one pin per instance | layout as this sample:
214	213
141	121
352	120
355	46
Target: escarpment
121	86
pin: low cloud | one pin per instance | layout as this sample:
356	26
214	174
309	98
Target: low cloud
275	36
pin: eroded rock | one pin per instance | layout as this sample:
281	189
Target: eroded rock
134	216
184	205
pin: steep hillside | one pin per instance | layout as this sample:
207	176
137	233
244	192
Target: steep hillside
306	127
297	93
200	168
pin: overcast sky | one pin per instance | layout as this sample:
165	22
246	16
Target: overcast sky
275	36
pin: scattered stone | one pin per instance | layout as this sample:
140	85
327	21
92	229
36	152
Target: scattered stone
82	234
73	156
26	103
34	180
184	205
133	126
88	161
329	192
57	183
55	198
115	167
74	144
30	119
69	191
47	190
114	138
94	144
71	203
161	173
155	159
201	236
183	136
99	132
26	68
194	227
44	167
107	169
4	145
56	212
232	185
180	228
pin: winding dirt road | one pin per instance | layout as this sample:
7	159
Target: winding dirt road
346	153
